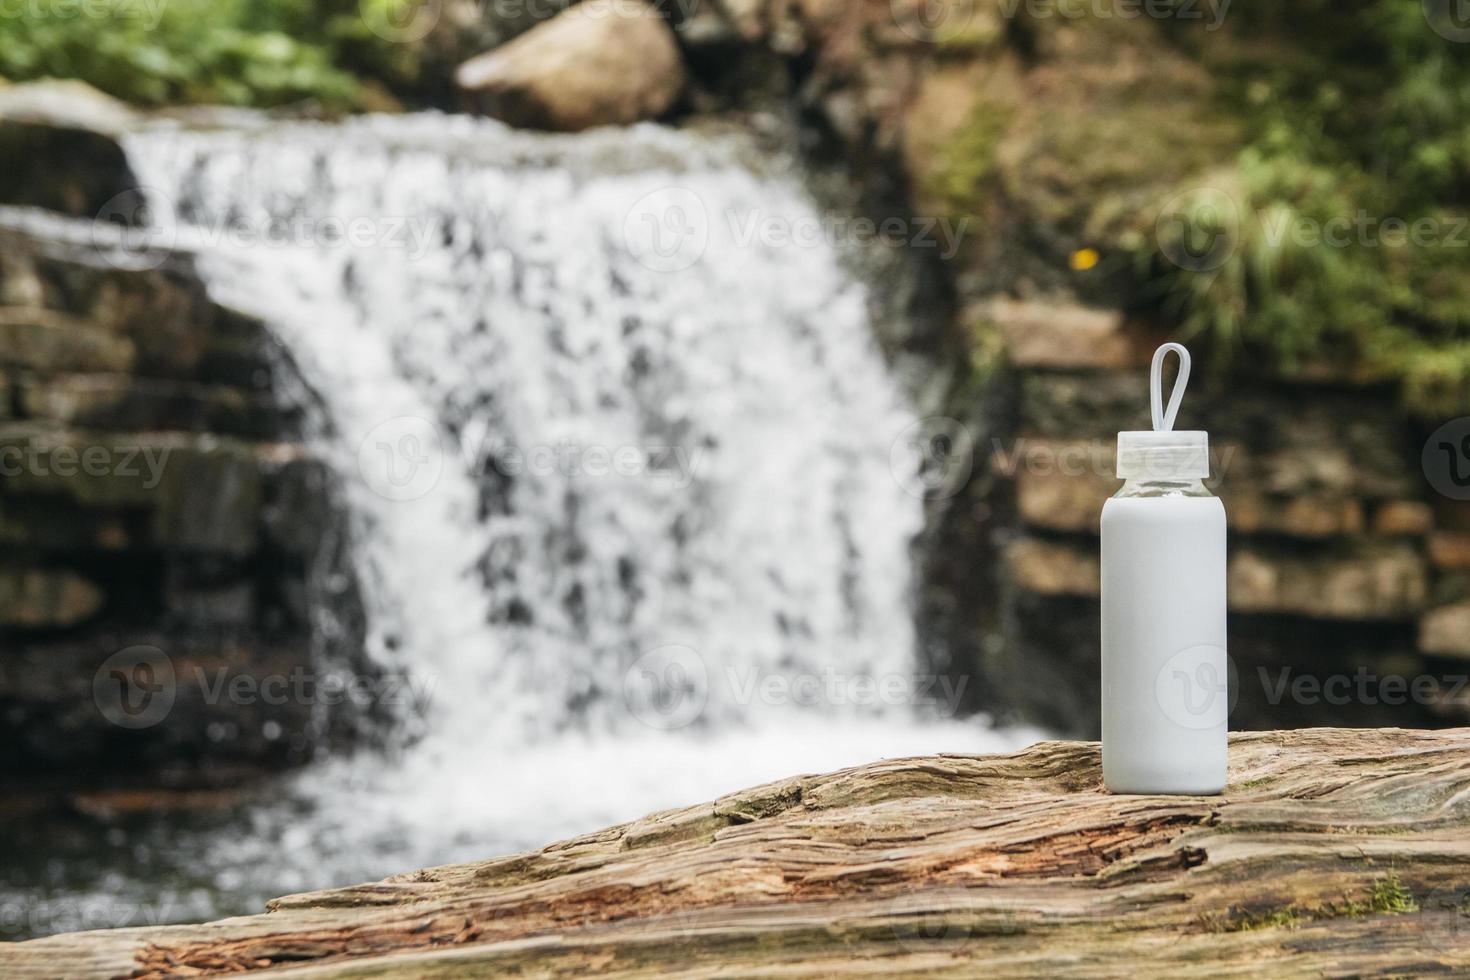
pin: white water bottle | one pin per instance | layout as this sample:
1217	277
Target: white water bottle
1165	699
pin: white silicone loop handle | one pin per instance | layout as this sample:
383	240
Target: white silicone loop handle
1164	420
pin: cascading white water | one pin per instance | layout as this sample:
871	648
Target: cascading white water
617	440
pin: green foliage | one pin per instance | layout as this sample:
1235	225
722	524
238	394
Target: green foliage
1390	897
238	52
1349	233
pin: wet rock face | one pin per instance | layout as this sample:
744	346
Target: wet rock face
168	544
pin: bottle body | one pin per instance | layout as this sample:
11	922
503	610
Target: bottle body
1165	696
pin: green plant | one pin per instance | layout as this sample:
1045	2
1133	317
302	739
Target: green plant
1350	200
157	51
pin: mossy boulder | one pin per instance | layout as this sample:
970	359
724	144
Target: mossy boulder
59	147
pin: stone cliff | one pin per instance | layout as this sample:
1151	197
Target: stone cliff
165	527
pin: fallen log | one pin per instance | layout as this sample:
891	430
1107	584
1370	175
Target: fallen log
1333	852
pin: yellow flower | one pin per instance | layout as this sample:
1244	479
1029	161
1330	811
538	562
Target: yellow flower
1083	259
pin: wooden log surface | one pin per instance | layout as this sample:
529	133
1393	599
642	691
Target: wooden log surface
1334	852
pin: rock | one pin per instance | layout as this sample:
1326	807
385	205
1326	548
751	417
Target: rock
95	470
1061	485
1450	549
1298	472
164	314
39	598
121	402
1364	583
600	63
195	603
59	147
1283	443
1403	518
710	30
300	490
210	499
141	524
752	17
46	525
1388	584
203	492
1061	335
44	340
1446	631
66	707
1250	511
1053	569
1332	852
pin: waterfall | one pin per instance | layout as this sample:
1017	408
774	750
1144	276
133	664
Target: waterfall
623	460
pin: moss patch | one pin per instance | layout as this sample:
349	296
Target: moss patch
1387	896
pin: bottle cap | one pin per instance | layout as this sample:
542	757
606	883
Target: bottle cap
1163	454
